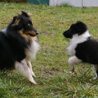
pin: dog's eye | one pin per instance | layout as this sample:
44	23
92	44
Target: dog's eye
29	25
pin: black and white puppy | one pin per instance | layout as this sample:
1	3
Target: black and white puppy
18	45
82	48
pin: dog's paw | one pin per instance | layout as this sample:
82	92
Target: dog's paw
72	72
33	82
95	78
34	75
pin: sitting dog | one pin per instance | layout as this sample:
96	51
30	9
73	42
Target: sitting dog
19	45
82	48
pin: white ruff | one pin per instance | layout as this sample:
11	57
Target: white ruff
4	30
32	50
76	39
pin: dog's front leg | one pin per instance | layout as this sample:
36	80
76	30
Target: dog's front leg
24	70
30	66
71	61
96	69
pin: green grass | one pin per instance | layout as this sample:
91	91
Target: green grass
51	66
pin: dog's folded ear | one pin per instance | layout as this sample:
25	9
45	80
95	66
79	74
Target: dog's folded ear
80	24
14	18
16	21
80	27
25	13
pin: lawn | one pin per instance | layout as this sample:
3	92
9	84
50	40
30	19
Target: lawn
51	66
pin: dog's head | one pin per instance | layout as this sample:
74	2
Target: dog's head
24	24
78	28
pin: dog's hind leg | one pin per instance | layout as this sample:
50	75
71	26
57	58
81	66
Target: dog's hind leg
96	69
24	70
30	66
71	61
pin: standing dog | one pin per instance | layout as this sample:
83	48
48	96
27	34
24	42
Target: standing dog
18	45
82	48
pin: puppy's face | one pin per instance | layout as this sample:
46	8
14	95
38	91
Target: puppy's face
24	24
77	28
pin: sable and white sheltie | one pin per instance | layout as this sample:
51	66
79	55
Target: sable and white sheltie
19	45
82	47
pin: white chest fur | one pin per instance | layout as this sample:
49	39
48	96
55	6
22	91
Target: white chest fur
32	50
76	39
4	30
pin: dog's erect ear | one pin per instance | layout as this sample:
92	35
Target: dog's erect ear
25	13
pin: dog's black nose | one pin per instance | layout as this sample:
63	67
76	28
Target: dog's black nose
37	33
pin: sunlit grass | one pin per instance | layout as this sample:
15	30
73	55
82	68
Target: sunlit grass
51	67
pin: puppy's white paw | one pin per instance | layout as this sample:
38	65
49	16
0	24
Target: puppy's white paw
72	72
95	78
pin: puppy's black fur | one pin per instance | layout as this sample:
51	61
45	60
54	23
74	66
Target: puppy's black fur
87	51
83	47
77	28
